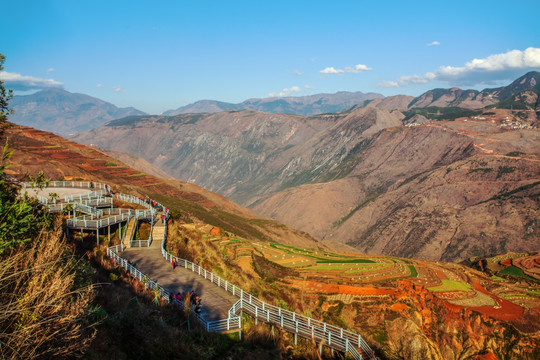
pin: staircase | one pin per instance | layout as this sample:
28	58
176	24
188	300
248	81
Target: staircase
157	232
130	231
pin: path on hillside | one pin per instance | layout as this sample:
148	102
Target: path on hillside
215	300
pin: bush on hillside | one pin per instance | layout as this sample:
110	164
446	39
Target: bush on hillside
21	218
43	301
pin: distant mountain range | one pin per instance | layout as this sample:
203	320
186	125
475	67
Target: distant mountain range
341	101
300	105
62	112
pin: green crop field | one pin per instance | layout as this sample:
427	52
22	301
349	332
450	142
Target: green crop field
515	271
414	272
449	285
341	261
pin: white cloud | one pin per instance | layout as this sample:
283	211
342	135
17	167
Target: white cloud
349	69
285	92
297	72
20	82
489	70
331	70
434	43
387	84
51	70
118	89
309	87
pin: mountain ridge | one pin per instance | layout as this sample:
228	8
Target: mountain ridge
300	105
474	99
62	112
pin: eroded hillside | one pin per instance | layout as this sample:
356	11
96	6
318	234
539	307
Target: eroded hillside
440	191
245	154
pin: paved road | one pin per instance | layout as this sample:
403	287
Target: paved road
215	301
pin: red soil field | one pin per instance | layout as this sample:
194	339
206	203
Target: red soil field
507	311
399	307
324	288
487	356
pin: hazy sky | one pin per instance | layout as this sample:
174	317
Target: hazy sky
159	55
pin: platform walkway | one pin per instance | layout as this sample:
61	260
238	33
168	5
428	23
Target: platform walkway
222	301
215	303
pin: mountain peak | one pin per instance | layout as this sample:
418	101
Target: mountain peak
530	80
62	112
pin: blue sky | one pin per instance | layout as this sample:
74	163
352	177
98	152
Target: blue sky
160	55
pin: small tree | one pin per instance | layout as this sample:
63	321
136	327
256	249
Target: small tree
21	219
5	96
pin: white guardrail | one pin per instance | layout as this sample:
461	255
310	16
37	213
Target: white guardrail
233	322
307	327
108	217
73	184
102	201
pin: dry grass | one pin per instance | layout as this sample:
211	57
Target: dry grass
43	302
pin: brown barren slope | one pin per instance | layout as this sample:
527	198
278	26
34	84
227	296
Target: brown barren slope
441	191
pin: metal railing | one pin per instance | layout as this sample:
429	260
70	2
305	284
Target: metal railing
100	201
140	243
333	336
72	184
107	217
93	196
233	322
134	200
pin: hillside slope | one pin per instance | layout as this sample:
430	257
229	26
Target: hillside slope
343	177
59	159
245	154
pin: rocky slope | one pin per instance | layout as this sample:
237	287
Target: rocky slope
246	154
432	192
300	105
396	102
62	112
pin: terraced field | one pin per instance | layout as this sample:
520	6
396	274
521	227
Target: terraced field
355	277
